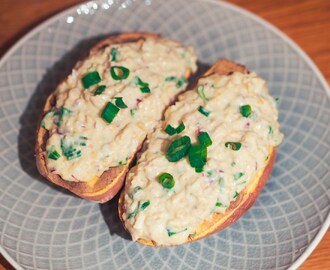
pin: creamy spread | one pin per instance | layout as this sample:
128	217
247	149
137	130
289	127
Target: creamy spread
82	144
168	216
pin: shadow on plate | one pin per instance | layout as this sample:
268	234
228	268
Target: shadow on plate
110	215
31	116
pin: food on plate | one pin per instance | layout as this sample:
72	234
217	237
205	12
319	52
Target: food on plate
97	118
206	163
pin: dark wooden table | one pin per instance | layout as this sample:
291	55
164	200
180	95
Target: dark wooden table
307	22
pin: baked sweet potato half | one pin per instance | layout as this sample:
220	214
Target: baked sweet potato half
96	120
206	163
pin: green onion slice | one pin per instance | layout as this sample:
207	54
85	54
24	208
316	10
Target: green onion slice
53	154
171	130
119	73
109	113
236	194
238	175
181	81
270	130
178	149
90	79
233	145
277	100
145	205
199	170
59	114
204	139
133	112
166	180
68	149
134	213
139	207
180	128
221	182
203	111
99	90
144	87
197	157
200	90
170	78
113	54
218	204
245	110
120	103
171	233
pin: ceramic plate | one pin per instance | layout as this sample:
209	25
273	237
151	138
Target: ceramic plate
45	227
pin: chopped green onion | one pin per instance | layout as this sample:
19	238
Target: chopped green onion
53	154
236	194
144	87
166	180
171	130
90	79
221	182
204	139
181	81
65	111
120	103
218	204
119	73
171	233
238	175
197	157
210	173
245	110
139	207
99	90
109	113
134	213
178	149
68	149
170	78
59	114
145	205
270	130
137	189
113	54
233	145
122	162
200	90
277	100
43	121
133	112
180	128
203	111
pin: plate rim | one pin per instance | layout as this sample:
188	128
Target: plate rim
256	18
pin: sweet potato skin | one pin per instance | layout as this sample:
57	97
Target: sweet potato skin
244	200
105	187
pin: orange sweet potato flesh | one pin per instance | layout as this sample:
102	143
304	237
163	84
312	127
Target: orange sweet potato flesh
247	196
100	189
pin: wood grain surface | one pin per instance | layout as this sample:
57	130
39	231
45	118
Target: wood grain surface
307	22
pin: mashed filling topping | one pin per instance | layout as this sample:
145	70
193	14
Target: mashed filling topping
108	104
212	143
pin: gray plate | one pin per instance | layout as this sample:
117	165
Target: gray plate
45	227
